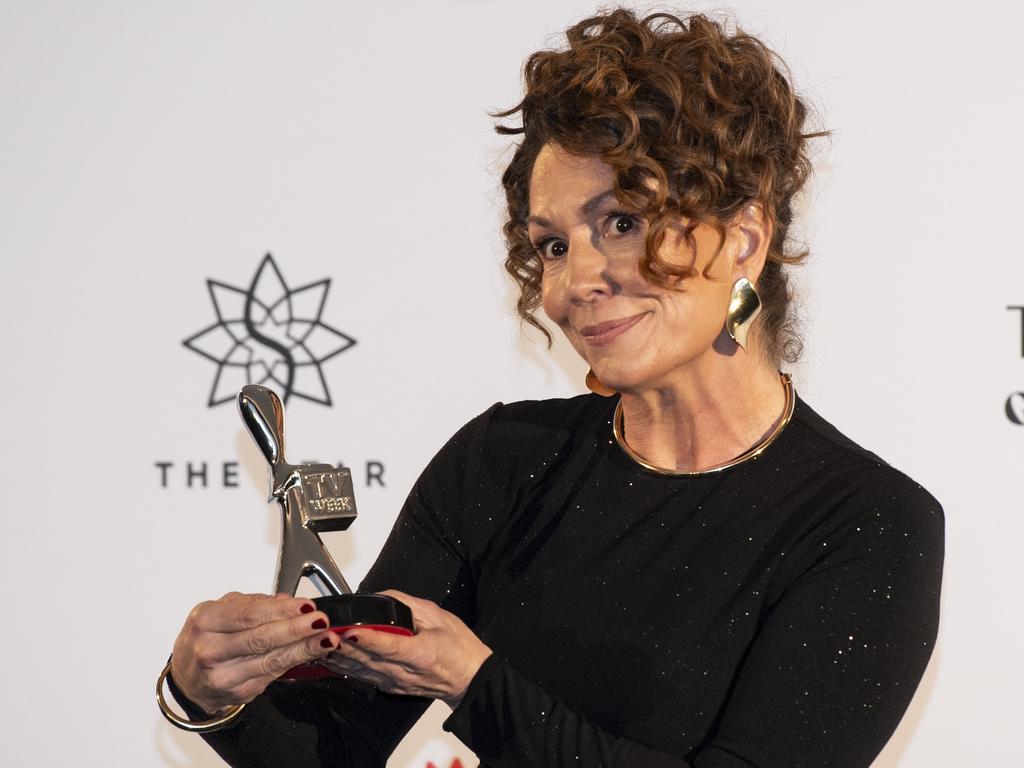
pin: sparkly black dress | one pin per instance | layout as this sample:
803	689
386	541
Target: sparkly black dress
775	614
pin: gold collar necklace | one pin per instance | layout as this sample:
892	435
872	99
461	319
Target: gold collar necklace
750	453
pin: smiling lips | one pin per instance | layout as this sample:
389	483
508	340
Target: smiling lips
602	333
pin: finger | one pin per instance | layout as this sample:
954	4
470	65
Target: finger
275	634
242	679
341	665
360	644
271	665
411	600
235	612
395	655
242	597
385	675
424	612
353	650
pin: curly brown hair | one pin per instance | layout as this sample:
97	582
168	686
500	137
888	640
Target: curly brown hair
695	121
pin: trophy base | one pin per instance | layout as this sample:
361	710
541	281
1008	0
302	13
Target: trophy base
378	612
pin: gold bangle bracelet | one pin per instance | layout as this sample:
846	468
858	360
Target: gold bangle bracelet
203	726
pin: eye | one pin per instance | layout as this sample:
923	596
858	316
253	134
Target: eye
558	250
622	223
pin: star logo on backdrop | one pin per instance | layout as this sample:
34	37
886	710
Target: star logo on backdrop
269	334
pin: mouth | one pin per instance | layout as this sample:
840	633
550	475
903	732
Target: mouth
602	333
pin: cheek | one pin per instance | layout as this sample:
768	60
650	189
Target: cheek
552	299
714	306
699	311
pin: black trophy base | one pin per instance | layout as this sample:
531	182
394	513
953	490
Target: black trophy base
344	612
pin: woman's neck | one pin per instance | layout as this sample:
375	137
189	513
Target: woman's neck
705	414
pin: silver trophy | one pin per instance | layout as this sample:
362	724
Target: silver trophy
314	498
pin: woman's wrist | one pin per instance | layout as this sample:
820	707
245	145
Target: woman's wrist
189	700
474	671
198	719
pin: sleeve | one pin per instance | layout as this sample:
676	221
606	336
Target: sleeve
824	683
301	724
509	721
841	651
331	721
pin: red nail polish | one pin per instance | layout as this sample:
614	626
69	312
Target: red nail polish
319	624
326	643
307	608
352	639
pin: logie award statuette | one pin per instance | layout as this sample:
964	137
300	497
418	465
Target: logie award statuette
314	498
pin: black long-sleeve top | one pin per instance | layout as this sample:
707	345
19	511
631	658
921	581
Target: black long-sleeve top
775	614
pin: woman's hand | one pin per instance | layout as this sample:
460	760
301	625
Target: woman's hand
230	649
438	661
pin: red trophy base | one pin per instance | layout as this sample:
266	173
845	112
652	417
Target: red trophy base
344	612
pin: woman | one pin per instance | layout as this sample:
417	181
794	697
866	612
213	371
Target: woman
689	567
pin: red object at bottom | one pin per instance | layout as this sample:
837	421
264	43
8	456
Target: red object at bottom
313	669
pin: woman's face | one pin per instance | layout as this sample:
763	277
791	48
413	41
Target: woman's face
634	334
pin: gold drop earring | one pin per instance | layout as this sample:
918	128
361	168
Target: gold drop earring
744	306
594	385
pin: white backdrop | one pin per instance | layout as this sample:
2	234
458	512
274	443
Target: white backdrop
147	147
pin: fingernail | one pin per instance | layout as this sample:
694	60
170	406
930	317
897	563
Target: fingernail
352	639
319	624
307	608
326	643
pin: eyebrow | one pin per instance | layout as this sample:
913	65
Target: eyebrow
586	208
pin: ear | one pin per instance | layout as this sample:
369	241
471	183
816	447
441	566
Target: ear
752	233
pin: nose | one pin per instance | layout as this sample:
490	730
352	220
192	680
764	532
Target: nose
586	272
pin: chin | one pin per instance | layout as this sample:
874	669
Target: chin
627	377
620	381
